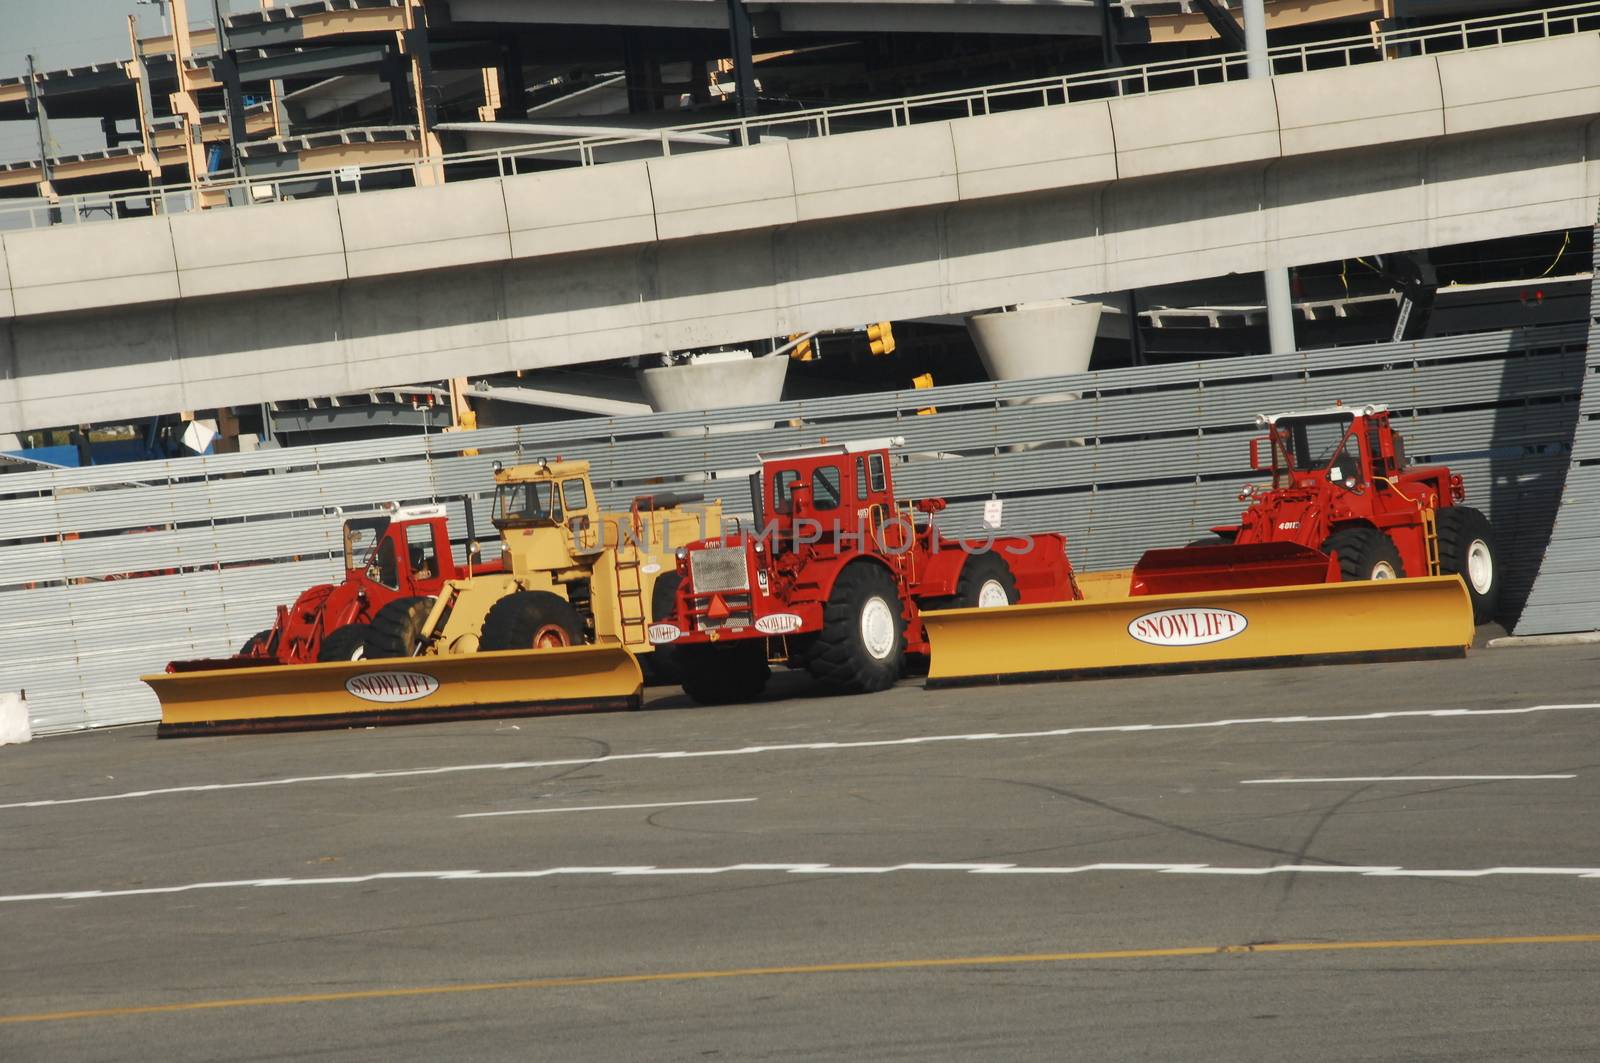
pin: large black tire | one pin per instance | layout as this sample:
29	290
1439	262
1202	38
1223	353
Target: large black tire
397	629
986	582
985	578
261	640
1467	549
1364	553
661	663
348	643
725	673
862	645
528	620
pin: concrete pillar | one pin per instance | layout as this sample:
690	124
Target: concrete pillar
1036	339
1280	311
714	381
1280	301
1255	39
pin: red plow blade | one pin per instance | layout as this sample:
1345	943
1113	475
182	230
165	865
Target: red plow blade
1216	568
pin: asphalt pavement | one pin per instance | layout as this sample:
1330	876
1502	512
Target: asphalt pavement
1376	862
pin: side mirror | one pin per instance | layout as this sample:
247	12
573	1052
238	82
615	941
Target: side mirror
1255	455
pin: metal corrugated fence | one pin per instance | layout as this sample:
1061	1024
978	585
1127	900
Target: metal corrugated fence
108	572
1566	594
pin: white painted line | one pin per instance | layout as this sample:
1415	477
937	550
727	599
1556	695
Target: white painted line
1404	778
648	871
803	747
607	808
1574	638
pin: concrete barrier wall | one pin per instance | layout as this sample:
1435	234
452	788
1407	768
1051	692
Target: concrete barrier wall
777	184
280	301
554	310
1536	81
1379	103
1048	148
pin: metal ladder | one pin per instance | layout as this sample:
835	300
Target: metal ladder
1430	538
635	594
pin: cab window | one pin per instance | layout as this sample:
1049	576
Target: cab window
1316	444
388	570
880	481
419	547
573	496
861	479
526	504
781	483
825	492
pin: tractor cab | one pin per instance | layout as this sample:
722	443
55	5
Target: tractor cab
407	547
547	512
826	493
1352	447
1349	446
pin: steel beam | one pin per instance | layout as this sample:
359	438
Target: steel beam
739	34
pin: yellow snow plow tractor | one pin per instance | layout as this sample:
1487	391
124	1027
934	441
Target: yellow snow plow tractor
562	626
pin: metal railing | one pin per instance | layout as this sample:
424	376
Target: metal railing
1144	79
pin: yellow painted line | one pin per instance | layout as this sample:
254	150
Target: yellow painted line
820	968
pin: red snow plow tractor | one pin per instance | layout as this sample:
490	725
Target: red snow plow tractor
1343	505
833	578
387	557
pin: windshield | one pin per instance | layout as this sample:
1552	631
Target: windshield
526	503
1313	444
360	540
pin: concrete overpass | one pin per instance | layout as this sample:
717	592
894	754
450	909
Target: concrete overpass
685	250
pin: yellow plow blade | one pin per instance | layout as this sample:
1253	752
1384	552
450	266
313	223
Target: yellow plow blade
1320	623
309	697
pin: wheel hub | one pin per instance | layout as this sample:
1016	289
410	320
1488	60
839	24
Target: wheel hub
549	637
1382	570
992	595
877	628
1480	566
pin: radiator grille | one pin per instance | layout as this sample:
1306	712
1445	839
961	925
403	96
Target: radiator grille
719	568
